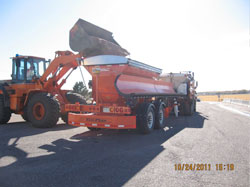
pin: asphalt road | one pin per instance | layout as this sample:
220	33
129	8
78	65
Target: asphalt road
68	156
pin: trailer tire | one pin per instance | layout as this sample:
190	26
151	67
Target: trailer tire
43	110
159	115
145	118
5	112
72	99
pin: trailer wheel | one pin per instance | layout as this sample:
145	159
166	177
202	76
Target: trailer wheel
72	98
159	115
145	118
43	110
5	112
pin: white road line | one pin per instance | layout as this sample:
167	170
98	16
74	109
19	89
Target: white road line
234	110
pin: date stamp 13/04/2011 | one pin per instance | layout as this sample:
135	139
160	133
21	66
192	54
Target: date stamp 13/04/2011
204	167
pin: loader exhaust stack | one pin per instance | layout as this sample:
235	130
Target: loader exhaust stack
91	40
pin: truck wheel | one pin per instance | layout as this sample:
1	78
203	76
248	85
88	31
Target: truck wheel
145	118
159	115
194	105
72	98
189	108
43	110
5	112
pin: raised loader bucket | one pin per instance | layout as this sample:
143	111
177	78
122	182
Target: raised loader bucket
91	40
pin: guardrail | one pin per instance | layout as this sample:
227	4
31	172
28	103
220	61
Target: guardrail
237	101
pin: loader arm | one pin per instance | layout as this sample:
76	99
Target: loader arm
63	62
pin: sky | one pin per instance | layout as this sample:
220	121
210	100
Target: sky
209	37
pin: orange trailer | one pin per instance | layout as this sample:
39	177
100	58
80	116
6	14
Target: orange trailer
127	94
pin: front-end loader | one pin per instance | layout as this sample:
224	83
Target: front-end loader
35	88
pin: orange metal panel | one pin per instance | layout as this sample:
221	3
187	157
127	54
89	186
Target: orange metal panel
97	109
131	80
82	108
134	84
102	121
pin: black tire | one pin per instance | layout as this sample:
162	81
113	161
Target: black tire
75	97
159	115
145	118
72	99
51	111
189	108
194	105
64	117
24	115
5	112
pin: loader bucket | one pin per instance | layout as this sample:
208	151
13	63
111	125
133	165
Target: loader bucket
91	40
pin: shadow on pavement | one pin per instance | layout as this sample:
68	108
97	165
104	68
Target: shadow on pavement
91	158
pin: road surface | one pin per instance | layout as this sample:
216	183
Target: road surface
74	156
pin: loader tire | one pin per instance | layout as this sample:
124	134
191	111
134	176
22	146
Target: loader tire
43	110
64	117
145	118
159	115
5	112
75	97
24	115
72	98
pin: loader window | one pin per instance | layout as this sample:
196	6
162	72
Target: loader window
27	68
35	67
39	67
20	69
31	70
